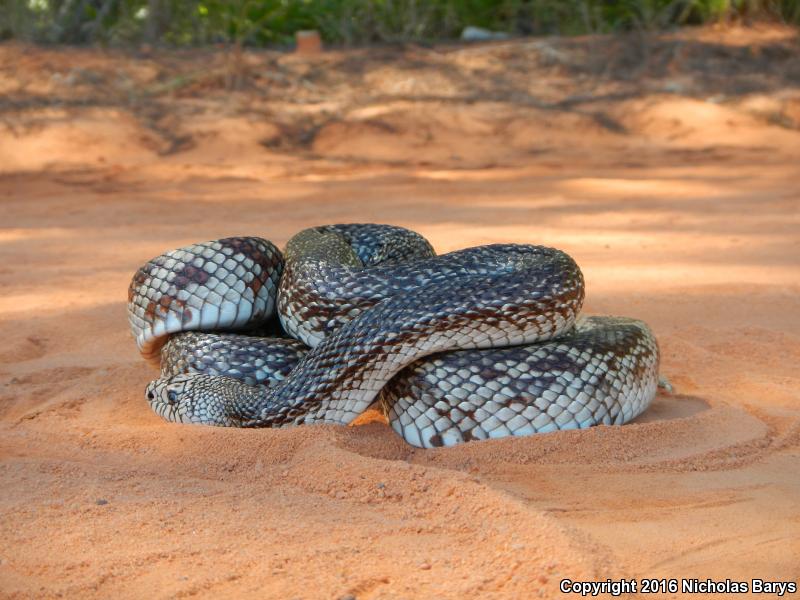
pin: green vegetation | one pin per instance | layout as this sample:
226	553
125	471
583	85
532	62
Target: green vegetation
269	22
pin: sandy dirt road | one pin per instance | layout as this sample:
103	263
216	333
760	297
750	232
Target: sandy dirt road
676	191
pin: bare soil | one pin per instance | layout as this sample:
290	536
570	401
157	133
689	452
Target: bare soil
666	165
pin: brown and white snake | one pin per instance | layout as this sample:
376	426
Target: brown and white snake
475	344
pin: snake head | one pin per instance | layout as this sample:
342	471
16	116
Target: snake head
193	398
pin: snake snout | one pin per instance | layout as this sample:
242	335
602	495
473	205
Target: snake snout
190	398
166	397
151	391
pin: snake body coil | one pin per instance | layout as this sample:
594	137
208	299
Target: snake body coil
368	305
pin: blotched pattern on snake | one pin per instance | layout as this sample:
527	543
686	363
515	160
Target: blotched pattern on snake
479	343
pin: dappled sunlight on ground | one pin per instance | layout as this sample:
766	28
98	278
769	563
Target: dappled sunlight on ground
675	191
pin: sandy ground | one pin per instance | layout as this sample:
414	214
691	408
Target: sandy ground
666	166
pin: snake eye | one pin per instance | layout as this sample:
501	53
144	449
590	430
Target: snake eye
172	397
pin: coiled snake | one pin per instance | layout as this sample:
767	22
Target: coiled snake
475	344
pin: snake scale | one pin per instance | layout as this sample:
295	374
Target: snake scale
479	343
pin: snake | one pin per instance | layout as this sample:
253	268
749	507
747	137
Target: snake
475	344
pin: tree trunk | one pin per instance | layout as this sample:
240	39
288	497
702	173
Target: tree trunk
157	20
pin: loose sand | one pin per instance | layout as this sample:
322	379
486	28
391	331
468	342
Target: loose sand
668	167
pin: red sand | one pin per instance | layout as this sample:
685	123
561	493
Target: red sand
688	219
